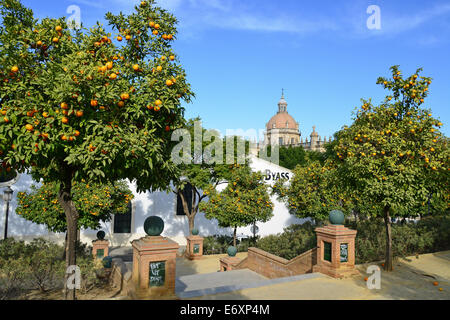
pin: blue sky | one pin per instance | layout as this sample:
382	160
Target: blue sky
239	54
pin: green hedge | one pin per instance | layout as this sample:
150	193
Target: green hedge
40	265
430	234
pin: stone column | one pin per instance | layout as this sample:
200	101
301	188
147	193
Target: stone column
336	248
154	261
100	246
194	247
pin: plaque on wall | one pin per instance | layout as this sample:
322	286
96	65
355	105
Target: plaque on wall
100	253
196	248
327	251
344	252
157	274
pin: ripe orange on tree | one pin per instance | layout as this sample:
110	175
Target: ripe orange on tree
14	69
79	113
29	127
94	103
124	96
135	67
64	120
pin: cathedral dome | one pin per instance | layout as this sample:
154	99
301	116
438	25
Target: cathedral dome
282	120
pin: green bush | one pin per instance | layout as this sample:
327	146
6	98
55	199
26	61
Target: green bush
40	264
428	235
218	244
295	240
46	265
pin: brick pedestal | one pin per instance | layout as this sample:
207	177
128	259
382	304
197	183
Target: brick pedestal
98	246
228	263
194	247
154	265
335	251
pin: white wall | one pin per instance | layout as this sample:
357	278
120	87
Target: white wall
160	204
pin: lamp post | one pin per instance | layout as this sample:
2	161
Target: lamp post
7	196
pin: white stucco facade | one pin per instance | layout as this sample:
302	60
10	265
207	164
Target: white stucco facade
160	204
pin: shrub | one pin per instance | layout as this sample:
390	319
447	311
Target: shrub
295	240
218	244
41	264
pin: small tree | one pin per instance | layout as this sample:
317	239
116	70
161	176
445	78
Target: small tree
314	191
203	170
95	203
393	155
244	201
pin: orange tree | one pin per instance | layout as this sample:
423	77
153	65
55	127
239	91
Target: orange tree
244	200
94	203
314	191
393	155
87	104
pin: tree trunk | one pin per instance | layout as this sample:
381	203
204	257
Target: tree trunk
234	237
191	223
388	253
65	199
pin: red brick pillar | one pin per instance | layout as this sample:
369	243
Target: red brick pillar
335	251
154	265
100	248
194	247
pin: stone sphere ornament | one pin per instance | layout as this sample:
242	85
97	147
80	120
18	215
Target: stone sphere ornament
337	217
101	235
195	232
107	262
232	251
153	226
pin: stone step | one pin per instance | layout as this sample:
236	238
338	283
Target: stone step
220	282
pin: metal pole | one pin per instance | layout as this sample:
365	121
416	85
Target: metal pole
6	221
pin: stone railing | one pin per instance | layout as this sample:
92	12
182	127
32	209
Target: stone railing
272	266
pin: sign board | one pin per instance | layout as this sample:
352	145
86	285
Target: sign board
100	253
327	251
196	248
344	252
157	274
274	176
